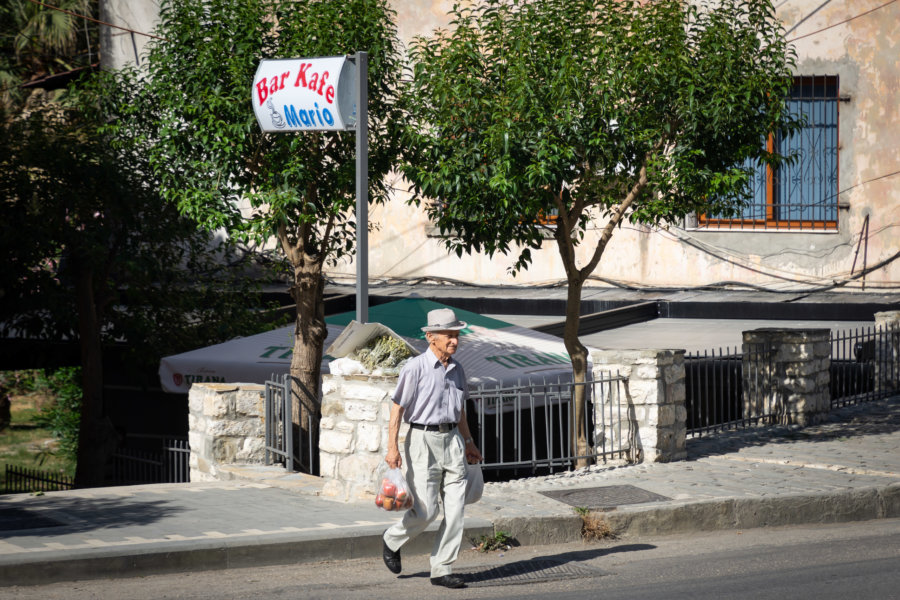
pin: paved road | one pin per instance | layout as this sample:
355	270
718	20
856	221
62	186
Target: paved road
823	562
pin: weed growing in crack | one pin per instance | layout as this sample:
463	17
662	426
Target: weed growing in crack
500	540
593	525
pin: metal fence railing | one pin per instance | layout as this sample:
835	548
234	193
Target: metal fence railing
20	480
279	428
865	365
151	459
728	389
286	443
530	428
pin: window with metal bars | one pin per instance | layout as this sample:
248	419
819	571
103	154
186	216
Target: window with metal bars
802	194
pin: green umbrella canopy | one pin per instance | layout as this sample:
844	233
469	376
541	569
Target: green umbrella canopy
407	317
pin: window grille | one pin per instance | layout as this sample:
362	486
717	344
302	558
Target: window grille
802	194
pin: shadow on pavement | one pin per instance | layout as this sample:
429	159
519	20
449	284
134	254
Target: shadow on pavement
870	418
55	516
551	566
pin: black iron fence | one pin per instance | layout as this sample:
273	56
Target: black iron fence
19	480
726	389
864	365
279	429
151	459
530	429
286	443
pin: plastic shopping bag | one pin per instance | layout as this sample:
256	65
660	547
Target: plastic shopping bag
392	492
474	483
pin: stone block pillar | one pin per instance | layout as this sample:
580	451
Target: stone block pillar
787	374
654	400
353	433
226	427
887	351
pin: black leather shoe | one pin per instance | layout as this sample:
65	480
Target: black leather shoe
450	581
391	557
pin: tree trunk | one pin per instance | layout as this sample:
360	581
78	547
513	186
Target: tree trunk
578	354
309	338
96	435
5	409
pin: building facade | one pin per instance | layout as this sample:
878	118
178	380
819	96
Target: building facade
830	220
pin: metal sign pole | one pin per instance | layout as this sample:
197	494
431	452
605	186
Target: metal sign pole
362	187
316	94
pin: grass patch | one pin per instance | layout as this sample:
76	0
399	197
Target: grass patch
25	444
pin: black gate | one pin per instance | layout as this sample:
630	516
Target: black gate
286	443
279	429
151	459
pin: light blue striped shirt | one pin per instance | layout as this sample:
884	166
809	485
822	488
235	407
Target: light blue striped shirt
429	393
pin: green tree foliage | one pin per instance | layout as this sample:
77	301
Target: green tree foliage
222	171
545	118
37	40
63	416
91	253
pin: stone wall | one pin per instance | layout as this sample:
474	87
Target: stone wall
654	400
787	374
354	433
887	351
226	426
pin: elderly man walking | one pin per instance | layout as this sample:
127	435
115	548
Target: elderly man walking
430	396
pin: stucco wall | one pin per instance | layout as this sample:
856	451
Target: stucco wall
121	48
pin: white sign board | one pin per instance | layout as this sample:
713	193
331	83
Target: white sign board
305	94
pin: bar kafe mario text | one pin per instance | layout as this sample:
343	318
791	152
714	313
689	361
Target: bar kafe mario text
305	94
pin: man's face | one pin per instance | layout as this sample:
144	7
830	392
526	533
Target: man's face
443	343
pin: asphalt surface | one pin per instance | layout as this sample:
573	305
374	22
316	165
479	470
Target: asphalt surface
846	469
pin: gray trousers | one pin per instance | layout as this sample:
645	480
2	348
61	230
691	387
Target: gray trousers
436	474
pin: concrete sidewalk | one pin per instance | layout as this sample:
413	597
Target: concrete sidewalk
847	469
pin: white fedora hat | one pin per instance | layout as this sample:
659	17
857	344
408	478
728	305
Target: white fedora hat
443	319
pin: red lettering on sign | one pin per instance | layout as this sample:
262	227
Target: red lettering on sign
329	94
262	90
301	75
283	77
321	85
314	81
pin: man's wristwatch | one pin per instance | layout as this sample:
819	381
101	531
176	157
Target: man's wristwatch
468	439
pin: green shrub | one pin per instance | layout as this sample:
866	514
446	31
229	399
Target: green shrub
63	416
19	383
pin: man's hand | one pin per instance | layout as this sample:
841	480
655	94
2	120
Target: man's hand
473	455
393	458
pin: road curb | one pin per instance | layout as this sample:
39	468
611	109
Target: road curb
667	518
179	557
862	504
537	531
